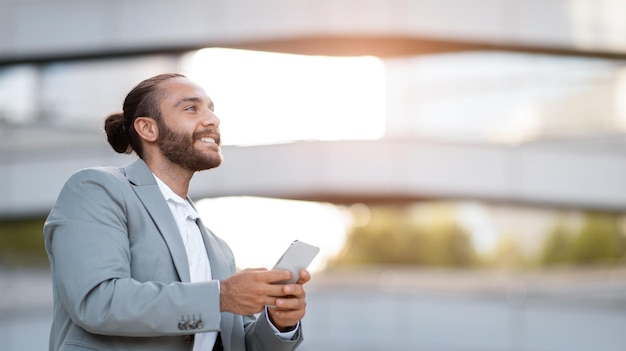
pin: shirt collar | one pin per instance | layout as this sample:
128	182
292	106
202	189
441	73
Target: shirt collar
171	197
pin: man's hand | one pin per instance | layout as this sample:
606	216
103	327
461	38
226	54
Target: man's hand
291	306
250	290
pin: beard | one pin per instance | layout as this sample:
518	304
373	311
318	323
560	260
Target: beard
178	149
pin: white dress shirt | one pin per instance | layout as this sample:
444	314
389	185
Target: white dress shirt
198	260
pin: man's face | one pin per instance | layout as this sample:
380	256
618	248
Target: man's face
189	129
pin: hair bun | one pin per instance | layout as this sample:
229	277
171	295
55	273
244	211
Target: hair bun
116	133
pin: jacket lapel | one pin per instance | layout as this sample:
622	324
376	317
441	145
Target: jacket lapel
220	266
148	191
220	269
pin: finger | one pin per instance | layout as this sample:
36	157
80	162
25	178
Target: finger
278	290
271	299
254	269
305	276
277	275
283	303
295	290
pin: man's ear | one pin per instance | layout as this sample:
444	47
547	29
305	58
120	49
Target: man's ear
146	128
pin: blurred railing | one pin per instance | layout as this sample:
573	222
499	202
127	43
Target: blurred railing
399	309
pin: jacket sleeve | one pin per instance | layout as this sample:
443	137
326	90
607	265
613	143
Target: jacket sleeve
88	246
261	337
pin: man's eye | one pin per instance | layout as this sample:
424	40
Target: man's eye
190	108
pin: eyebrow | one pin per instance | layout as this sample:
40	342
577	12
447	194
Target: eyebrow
194	99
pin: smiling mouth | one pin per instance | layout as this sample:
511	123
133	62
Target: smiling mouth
208	140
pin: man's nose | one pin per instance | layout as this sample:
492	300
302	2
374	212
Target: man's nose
210	119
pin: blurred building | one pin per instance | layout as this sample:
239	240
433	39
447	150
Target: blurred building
530	91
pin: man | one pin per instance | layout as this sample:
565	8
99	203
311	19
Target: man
134	268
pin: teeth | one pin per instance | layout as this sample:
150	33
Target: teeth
207	140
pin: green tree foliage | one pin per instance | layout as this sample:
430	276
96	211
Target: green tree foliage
21	242
600	240
401	236
558	245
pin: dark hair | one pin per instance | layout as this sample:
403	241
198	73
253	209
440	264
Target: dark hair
141	101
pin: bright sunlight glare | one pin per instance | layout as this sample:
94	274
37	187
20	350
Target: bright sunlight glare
259	230
264	97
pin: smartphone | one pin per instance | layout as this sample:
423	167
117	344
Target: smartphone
297	257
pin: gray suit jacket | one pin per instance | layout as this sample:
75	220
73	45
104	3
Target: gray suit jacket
120	273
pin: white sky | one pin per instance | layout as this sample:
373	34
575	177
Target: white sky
264	97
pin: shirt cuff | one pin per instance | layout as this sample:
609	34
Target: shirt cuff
283	335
